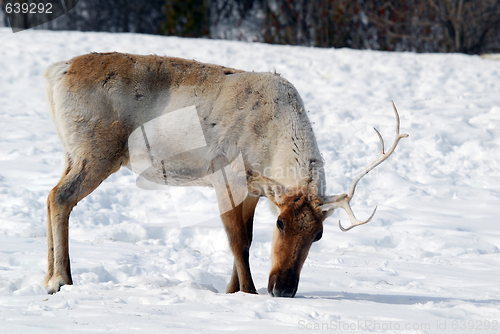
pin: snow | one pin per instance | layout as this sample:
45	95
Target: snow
429	262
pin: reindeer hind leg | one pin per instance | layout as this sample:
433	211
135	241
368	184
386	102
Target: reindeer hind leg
80	179
50	239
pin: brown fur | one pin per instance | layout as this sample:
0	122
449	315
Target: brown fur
303	220
105	68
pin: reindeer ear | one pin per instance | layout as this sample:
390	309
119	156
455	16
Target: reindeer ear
274	190
330	203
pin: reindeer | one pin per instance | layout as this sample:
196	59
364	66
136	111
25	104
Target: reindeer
99	100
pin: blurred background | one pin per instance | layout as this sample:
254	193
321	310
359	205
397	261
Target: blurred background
466	26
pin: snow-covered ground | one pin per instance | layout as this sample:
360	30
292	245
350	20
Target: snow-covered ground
429	262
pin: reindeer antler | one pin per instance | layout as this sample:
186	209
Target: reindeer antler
343	201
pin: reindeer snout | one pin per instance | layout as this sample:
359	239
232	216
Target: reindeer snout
283	285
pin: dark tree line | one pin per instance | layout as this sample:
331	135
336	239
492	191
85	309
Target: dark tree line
110	15
113	16
3	17
468	26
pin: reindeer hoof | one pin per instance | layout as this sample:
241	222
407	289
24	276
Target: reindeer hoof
55	283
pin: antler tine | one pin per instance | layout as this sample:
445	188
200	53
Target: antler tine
354	221
344	200
382	156
381	140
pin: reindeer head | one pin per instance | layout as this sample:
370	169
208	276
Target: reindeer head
300	223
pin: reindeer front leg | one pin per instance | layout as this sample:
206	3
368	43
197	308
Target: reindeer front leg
238	223
237	209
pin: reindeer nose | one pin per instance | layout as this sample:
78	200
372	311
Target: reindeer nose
284	285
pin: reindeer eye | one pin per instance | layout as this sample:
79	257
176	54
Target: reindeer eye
318	236
280	225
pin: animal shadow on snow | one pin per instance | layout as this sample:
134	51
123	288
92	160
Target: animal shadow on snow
387	299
